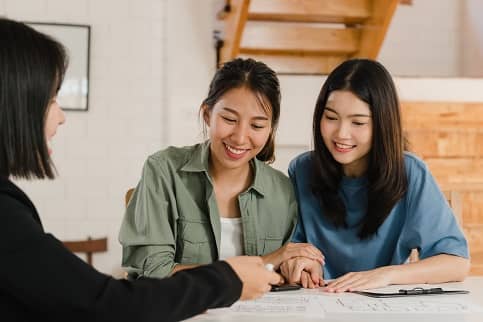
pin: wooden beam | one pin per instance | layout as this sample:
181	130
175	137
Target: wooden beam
233	29
300	64
339	11
292	39
456	171
375	28
446	142
428	115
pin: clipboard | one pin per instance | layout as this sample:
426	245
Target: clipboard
417	291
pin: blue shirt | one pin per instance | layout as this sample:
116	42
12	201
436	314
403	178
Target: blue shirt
422	219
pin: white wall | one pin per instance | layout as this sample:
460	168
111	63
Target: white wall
99	153
472	42
424	39
151	63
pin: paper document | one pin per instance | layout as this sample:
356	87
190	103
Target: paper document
275	304
444	304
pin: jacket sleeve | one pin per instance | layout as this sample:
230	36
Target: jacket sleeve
45	278
149	229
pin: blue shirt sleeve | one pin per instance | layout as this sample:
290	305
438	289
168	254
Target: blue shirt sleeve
431	225
299	233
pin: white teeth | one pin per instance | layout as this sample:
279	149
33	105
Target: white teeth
233	150
343	146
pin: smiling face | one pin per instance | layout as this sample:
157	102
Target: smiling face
239	127
55	117
346	129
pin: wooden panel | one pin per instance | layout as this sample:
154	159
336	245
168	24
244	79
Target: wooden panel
295	64
472	206
234	24
453	142
297	39
375	28
442	115
476	262
340	11
450	172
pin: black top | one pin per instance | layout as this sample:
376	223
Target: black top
40	280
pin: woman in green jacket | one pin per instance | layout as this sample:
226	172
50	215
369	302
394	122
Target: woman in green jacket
197	204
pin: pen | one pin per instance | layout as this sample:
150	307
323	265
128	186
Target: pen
420	290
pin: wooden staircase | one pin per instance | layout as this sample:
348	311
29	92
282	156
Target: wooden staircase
304	36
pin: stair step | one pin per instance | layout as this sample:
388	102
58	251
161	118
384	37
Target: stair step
340	11
300	64
297	39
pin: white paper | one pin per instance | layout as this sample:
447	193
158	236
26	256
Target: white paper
273	304
434	304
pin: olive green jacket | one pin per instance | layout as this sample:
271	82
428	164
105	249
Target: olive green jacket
173	217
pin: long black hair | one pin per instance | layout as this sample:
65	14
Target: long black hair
32	67
258	78
371	83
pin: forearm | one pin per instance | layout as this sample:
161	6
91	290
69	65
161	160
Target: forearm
181	267
437	269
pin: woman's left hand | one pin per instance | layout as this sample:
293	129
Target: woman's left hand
357	281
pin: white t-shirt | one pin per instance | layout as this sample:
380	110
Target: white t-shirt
231	243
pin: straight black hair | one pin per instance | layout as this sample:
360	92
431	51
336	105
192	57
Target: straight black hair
258	78
32	67
371	83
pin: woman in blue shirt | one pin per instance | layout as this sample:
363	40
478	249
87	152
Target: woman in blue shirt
363	200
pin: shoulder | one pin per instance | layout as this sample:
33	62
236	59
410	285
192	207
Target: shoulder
300	162
272	175
18	218
173	154
172	158
415	166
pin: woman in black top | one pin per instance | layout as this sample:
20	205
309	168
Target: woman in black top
40	280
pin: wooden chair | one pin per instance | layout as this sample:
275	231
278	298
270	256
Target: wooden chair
454	200
128	196
88	246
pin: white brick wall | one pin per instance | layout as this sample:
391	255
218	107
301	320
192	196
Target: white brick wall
99	154
151	63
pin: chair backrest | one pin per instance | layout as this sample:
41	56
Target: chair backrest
128	196
88	246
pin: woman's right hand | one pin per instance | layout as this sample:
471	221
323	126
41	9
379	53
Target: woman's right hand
304	271
256	279
292	250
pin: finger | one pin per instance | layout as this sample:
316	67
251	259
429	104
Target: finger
310	283
304	279
284	269
315	276
296	273
345	285
275	278
334	284
310	250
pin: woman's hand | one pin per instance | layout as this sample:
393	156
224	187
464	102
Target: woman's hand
357	281
292	250
304	271
256	279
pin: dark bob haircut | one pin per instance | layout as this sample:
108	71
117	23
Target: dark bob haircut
32	67
371	83
258	78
